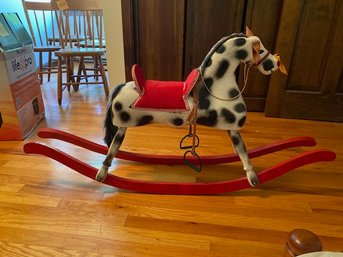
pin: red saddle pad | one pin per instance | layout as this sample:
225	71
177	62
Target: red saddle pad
155	95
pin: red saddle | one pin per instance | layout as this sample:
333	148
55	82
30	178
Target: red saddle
168	96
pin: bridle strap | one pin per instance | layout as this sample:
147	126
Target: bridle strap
262	60
194	118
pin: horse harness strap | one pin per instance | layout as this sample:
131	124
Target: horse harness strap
262	59
192	120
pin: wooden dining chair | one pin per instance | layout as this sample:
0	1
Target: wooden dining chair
42	25
74	26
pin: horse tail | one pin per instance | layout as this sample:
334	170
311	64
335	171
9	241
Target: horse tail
110	128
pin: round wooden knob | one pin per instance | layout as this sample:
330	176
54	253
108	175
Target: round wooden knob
302	241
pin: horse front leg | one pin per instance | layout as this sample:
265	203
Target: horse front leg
241	150
112	151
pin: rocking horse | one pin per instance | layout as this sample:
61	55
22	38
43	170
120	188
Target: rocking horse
209	96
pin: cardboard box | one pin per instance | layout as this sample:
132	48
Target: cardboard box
21	102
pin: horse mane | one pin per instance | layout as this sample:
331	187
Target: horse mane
216	47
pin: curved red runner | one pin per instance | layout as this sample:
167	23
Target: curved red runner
178	187
172	159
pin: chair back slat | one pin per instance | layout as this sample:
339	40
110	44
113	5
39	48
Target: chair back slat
85	32
76	29
38	27
45	28
53	40
59	27
89	25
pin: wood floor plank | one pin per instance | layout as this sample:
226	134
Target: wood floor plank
83	245
233	247
268	222
11	188
223	231
39	200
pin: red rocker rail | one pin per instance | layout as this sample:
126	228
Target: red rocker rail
178	187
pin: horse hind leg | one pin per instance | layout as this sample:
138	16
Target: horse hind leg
240	149
112	151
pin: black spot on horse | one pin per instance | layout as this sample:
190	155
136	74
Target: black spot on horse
268	65
118	106
240	107
241	54
204	103
203	92
240	41
241	121
208	81
124	116
223	66
233	93
221	49
235	140
228	115
208	63
178	122
146	119
210	120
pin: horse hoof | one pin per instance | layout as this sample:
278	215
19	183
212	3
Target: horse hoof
101	175
253	179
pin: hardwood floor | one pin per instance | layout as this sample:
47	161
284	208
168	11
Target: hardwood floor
47	209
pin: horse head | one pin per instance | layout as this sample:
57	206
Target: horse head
262	58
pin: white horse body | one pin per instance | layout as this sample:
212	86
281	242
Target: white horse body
128	94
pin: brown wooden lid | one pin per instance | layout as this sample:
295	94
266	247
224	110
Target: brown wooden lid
302	241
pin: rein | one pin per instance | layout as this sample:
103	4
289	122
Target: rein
245	79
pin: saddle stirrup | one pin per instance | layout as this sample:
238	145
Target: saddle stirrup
195	164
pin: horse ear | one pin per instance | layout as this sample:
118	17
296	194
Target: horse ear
256	51
255	45
248	32
281	66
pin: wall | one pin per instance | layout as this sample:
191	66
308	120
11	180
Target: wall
114	41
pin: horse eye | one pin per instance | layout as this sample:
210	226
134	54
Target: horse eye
261	51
